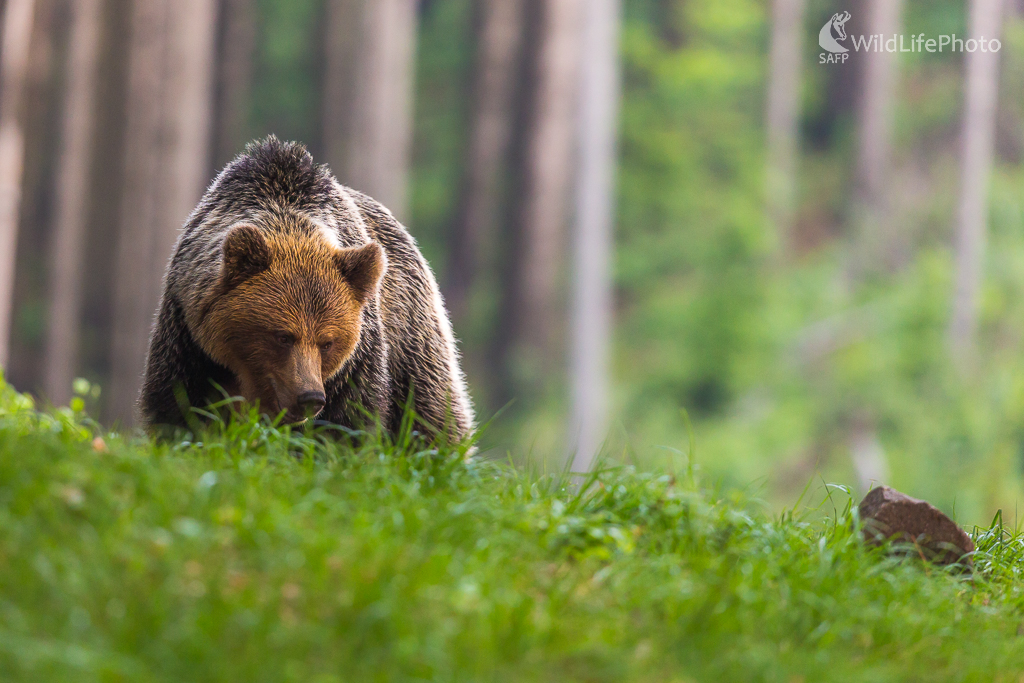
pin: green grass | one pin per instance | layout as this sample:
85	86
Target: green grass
259	555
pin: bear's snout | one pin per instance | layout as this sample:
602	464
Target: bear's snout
311	402
300	389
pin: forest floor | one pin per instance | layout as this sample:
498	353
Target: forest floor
261	555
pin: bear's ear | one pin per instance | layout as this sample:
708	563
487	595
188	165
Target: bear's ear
246	254
362	267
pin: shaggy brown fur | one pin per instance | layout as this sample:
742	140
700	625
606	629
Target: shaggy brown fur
288	289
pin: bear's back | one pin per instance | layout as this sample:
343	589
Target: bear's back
272	185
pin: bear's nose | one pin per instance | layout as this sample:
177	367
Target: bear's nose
312	402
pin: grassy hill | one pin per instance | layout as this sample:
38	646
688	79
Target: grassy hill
260	555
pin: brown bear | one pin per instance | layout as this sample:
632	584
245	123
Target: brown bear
290	290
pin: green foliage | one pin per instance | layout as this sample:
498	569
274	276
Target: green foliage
777	355
257	554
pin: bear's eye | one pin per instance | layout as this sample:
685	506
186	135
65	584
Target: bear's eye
284	339
326	346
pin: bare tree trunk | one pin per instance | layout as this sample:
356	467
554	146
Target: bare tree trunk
595	211
68	244
236	46
16	37
344	28
874	160
783	116
866	452
106	192
134	290
498	51
1009	135
978	129
167	152
137	238
41	131
379	147
549	167
531	316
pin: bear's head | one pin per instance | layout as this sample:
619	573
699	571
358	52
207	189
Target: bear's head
287	314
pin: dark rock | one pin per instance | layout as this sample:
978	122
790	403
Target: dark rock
915	527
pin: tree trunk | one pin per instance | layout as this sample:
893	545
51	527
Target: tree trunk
16	37
106	192
344	21
41	132
595	211
867	453
167	155
978	129
1009	135
783	116
379	143
74	164
878	241
236	45
530	315
498	50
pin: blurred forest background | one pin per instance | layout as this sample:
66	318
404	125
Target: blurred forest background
823	264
